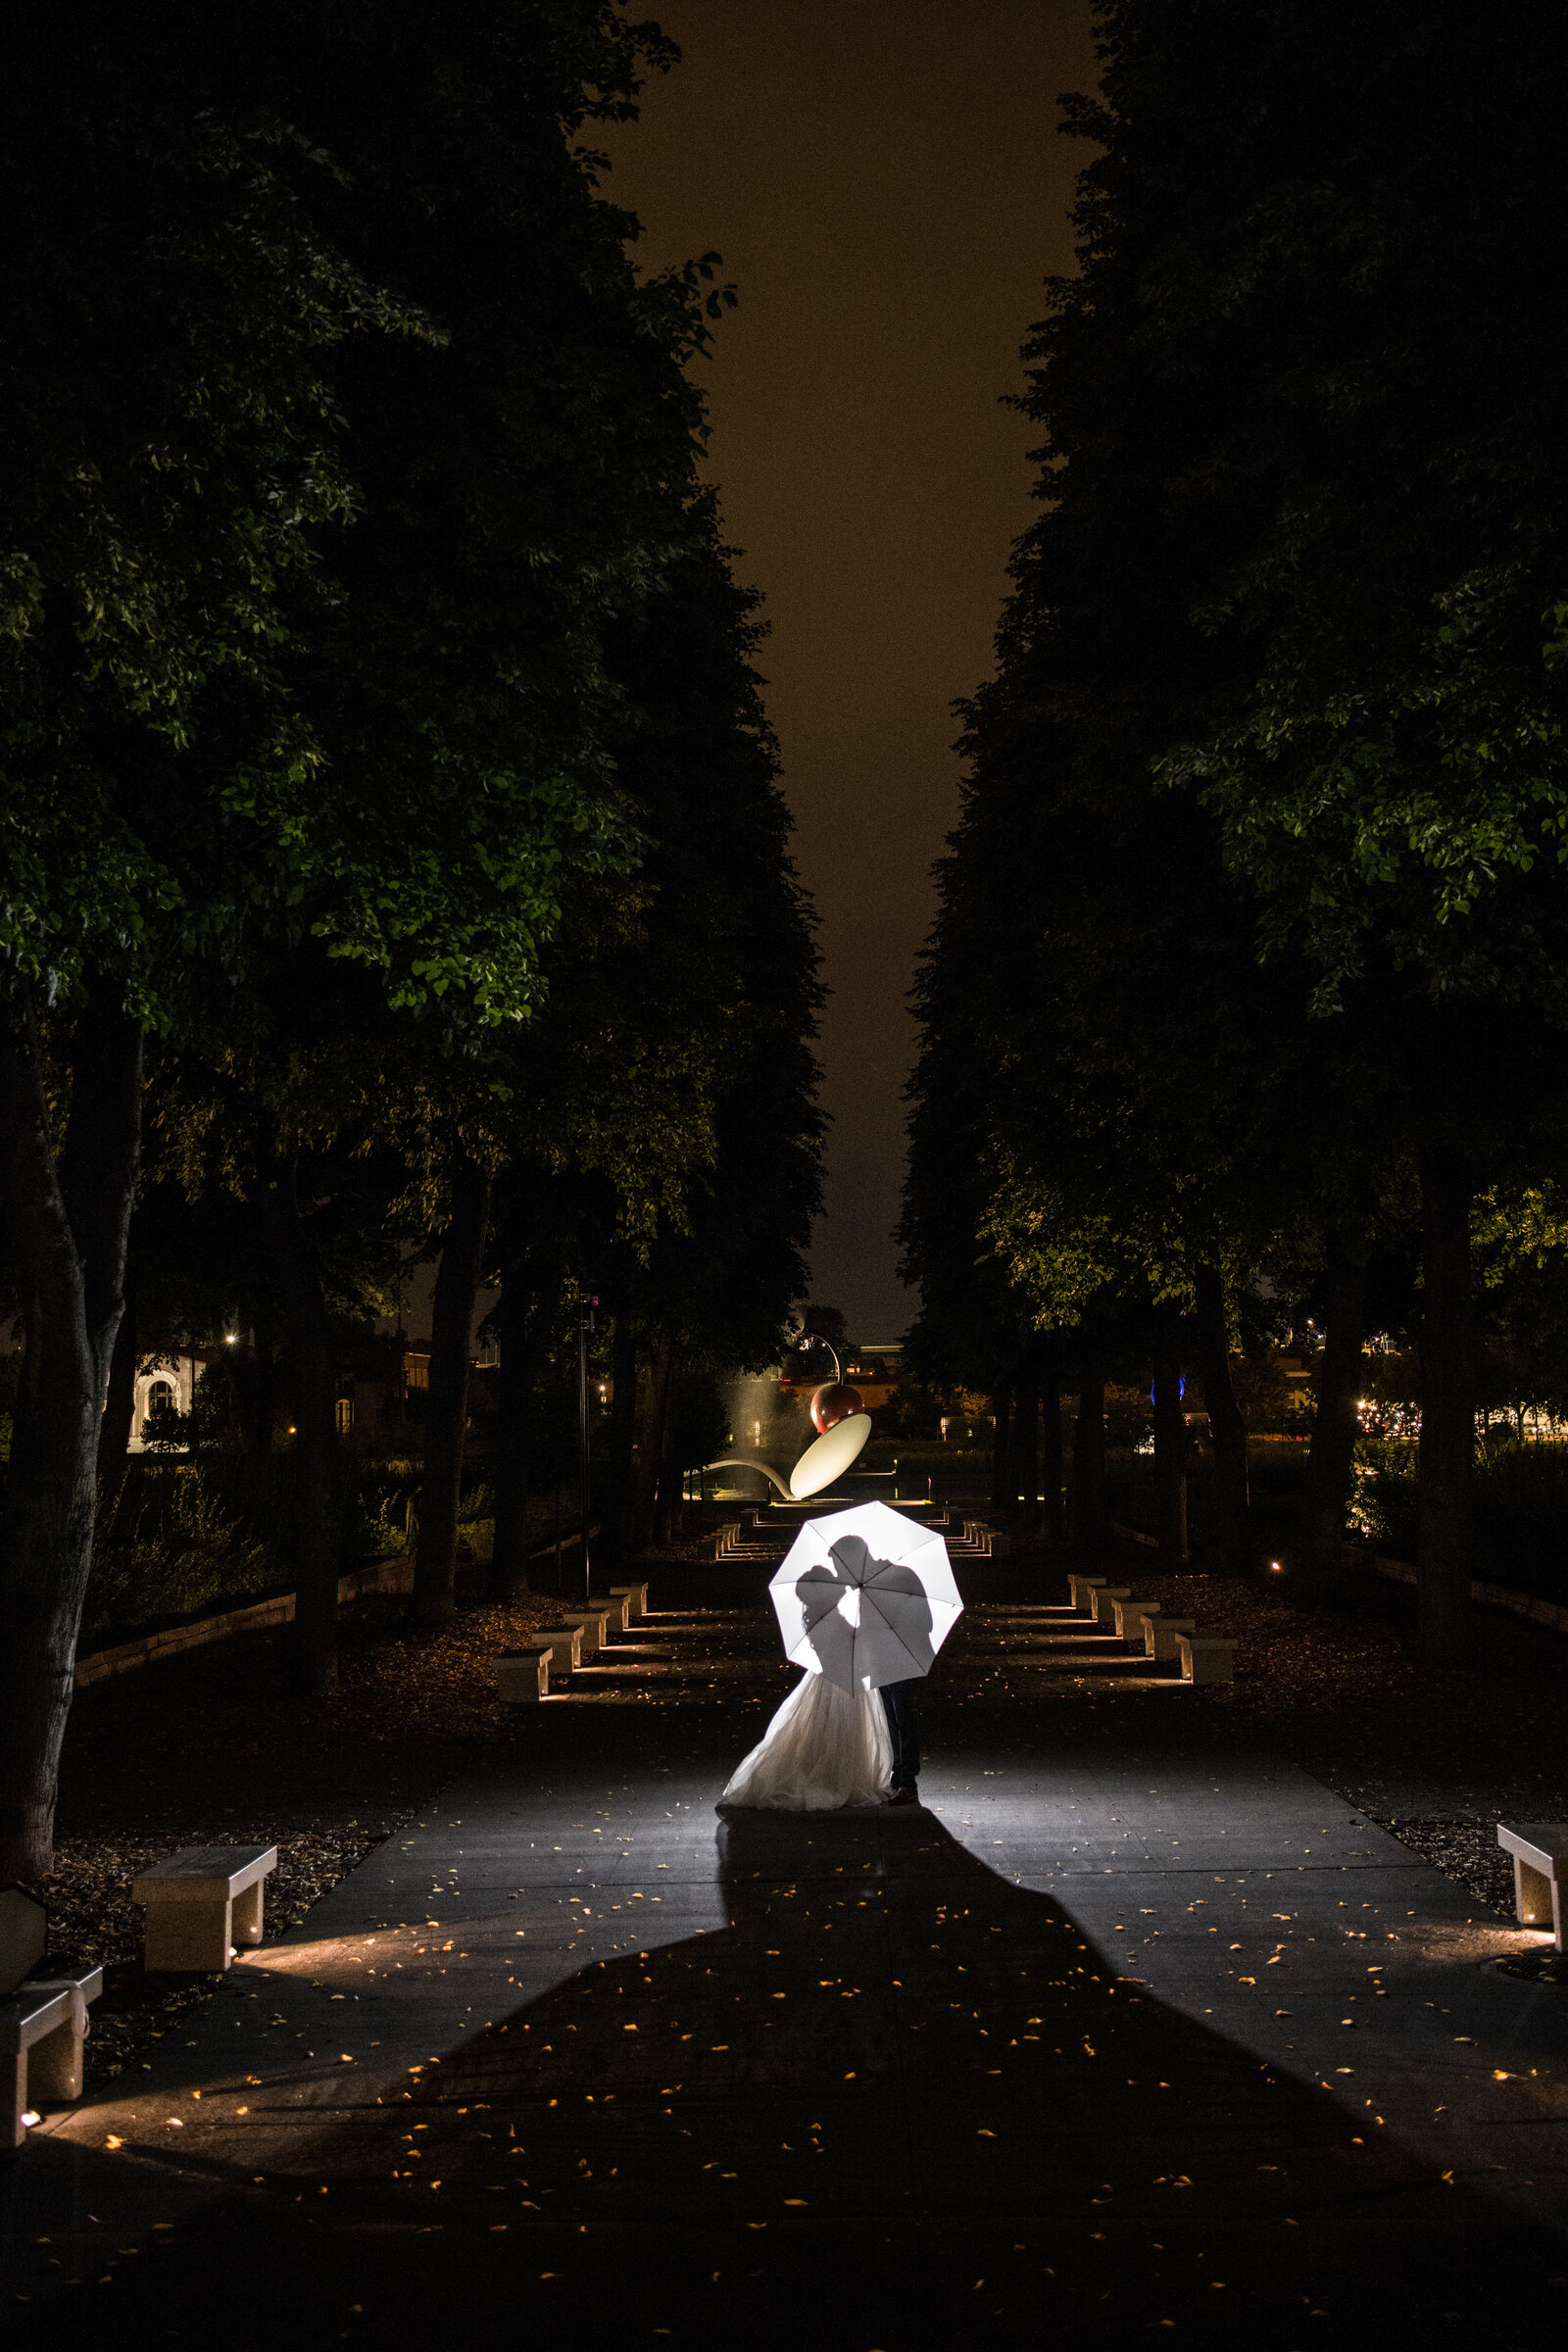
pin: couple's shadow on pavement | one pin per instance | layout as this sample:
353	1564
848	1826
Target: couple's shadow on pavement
895	2101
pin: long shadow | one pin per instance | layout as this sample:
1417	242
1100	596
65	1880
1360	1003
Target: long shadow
894	2102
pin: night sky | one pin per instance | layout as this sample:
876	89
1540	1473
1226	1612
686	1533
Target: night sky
885	182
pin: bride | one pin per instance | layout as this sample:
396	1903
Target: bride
824	1747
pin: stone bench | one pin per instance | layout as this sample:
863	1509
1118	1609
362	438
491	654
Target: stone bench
43	2025
594	1624
522	1674
1106	1600
1162	1636
1131	1616
1540	1850
565	1643
201	1902
1205	1658
636	1598
1083	1589
24	1936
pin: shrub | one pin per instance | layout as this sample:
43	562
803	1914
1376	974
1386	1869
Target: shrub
1384	1501
1519	1519
175	1550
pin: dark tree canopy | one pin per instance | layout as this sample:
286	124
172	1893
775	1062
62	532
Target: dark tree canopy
380	757
1255	920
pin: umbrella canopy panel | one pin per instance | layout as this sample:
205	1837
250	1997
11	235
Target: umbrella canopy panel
865	1597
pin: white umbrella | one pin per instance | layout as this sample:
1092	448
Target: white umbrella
865	1597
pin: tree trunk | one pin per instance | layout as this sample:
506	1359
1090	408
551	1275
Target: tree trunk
653	1407
1053	1515
1025	1452
509	1561
446	1427
1089	1513
668	1518
314	1500
120	1410
527	1320
1227	1432
259	1382
68	1222
1170	1441
615	1509
1003	1489
1447	1413
1331	1458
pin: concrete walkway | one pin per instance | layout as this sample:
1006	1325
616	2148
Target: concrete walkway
1126	2030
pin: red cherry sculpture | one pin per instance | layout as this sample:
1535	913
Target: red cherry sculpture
836	1402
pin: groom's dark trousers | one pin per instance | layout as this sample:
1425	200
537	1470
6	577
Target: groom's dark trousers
898	1698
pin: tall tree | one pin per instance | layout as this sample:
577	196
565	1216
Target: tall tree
707	1180
172	466
1267	794
247	752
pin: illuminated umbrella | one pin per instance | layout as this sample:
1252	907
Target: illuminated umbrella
865	1597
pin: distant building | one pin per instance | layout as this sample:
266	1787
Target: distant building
171	1382
377	1373
874	1370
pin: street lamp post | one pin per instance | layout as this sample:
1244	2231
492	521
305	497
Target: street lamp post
585	1324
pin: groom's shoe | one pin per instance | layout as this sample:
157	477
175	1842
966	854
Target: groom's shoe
908	1794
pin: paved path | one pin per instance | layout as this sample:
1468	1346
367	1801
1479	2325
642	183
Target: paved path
1126	2031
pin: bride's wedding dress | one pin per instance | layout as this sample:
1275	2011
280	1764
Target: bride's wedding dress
824	1747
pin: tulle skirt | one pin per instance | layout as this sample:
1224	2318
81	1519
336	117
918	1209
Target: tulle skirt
824	1747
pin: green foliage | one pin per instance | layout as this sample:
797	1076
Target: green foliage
1256	905
250	698
164	1429
661	1120
1519	1519
1268	1399
1384	1498
1129	1418
1518	1513
174	474
176	1550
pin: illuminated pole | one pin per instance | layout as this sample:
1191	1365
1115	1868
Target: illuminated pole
814	1339
585	1324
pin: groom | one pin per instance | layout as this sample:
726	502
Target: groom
897	1700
